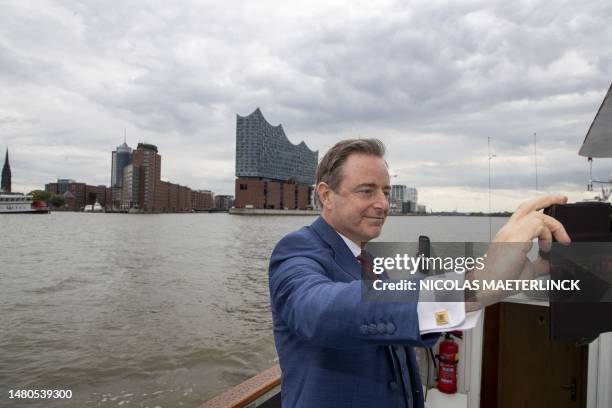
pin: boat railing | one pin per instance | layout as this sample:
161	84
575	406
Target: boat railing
262	391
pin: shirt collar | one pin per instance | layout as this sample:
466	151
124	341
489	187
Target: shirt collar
355	249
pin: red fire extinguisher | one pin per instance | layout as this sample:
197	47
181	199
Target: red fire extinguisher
447	368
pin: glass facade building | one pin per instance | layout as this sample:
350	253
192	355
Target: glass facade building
403	199
121	158
263	151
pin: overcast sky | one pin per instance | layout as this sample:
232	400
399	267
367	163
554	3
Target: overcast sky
432	79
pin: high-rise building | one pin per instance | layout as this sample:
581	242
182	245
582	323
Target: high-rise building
403	199
398	192
412	196
6	175
121	158
271	171
129	190
147	164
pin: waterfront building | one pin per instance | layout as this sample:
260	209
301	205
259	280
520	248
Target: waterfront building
71	190
72	203
135	184
224	202
412	195
271	172
62	185
313	203
412	198
146	191
98	194
121	157
129	189
202	200
78	195
5	185
403	199
172	197
397	197
147	163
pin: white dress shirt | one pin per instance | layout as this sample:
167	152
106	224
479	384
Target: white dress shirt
429	312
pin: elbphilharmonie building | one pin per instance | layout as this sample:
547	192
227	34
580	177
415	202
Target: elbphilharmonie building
272	172
263	150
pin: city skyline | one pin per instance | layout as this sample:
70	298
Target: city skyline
433	81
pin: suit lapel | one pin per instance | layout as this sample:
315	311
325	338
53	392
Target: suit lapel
342	254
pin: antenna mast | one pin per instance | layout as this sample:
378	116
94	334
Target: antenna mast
535	159
490	158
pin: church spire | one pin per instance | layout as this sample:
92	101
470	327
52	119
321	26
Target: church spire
5	185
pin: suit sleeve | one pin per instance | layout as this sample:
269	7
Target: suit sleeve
333	314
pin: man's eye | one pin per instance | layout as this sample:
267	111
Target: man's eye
365	192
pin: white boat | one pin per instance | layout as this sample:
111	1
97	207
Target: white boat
95	207
21	204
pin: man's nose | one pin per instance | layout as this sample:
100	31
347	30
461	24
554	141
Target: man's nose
381	202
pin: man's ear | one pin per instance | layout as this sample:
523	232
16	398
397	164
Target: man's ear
324	193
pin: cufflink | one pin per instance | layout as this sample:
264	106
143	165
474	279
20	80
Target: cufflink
441	317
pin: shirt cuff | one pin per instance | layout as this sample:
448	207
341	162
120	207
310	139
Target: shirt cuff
437	316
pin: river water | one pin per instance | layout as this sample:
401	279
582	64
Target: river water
149	310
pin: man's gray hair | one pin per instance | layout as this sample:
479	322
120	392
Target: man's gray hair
329	169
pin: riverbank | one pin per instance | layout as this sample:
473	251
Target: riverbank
261	211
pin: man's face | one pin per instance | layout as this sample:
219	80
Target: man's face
360	205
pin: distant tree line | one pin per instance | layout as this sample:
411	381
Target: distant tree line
54	200
493	214
471	214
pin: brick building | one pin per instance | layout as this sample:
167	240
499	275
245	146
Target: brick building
135	184
148	162
170	197
78	195
202	200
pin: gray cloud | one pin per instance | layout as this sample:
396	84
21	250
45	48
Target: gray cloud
433	80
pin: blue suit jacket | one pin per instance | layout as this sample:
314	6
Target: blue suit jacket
336	350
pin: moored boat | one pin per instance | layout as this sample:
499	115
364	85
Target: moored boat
95	207
14	203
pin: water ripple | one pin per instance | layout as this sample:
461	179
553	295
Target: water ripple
152	310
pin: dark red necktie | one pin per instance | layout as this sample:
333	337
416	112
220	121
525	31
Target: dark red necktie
366	265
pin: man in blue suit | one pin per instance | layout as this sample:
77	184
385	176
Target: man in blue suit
335	349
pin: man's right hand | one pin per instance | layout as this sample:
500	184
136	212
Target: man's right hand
506	258
528	222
